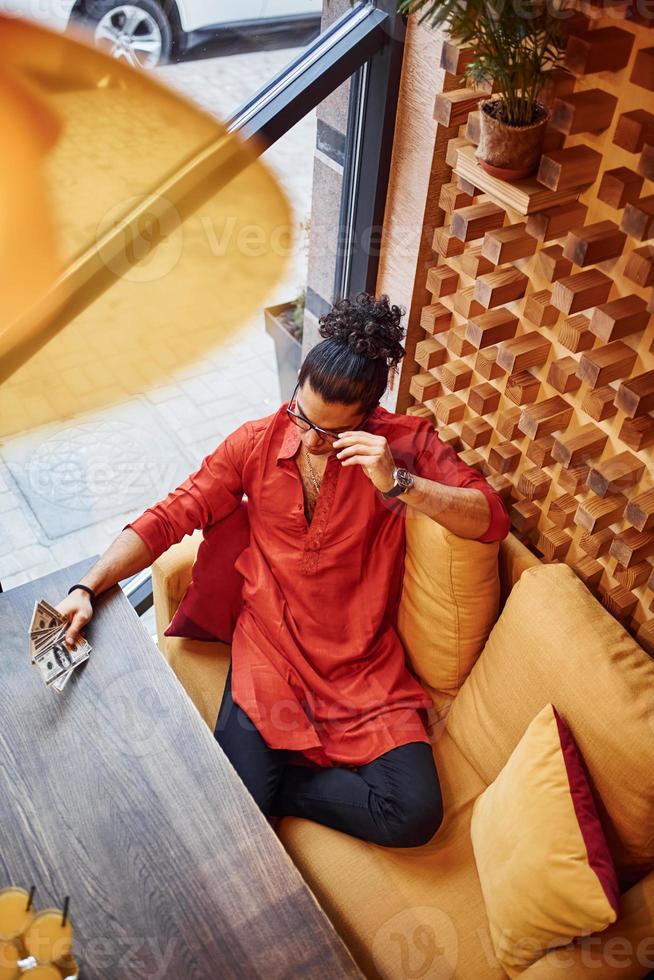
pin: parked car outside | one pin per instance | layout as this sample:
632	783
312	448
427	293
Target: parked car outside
148	33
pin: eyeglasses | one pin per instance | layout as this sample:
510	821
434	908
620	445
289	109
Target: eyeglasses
303	423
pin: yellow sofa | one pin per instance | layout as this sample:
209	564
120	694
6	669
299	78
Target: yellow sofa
419	912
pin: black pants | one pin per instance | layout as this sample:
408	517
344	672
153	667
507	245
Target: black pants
395	800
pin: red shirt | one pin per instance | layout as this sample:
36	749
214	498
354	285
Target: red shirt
317	663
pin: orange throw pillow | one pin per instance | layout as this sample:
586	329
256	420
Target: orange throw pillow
545	869
450	602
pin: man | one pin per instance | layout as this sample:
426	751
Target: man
322	717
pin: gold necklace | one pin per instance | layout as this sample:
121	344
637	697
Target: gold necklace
312	474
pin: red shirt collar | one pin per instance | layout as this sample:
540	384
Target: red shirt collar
290	440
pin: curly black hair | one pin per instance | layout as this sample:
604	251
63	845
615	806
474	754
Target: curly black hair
370	326
362	340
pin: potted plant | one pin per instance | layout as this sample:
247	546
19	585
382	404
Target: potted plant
514	46
284	323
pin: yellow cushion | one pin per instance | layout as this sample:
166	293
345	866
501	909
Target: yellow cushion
405	912
450	600
622	951
545	870
201	667
171	576
554	642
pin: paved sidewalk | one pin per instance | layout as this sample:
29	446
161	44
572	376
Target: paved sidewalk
66	494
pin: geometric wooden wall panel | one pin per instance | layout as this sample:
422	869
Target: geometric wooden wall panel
536	360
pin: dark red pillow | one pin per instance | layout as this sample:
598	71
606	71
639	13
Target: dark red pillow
210	606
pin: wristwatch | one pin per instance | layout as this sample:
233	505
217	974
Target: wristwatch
403	481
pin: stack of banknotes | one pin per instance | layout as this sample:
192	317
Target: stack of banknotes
55	660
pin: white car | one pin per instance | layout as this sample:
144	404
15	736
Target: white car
147	33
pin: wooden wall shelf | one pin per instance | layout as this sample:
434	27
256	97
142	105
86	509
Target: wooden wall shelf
586	442
589	111
553	263
539	451
508	244
522	388
605	364
524	196
581	291
619	318
442	281
569	169
553	222
615	474
452	108
640	512
619	186
539	309
634	130
474	221
599	403
528	350
502	286
491	327
643	71
636	396
594	243
640	266
599	49
545	417
638	217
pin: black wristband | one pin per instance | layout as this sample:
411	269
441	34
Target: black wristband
86	588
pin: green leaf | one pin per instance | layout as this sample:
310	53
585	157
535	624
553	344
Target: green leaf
516	43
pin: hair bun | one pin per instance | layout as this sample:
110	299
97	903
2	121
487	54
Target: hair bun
370	326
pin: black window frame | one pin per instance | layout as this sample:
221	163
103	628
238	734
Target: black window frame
365	44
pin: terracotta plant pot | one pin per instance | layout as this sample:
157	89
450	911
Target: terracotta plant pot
510	152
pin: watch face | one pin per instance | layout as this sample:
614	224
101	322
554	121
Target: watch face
403	477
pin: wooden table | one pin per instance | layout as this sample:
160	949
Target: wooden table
116	793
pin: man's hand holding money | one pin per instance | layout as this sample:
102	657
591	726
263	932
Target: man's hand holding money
55	658
77	610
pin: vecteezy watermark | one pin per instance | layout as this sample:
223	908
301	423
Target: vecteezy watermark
107	941
564	10
89	463
152	242
590	952
290	715
418	943
145	717
597	951
126	955
147	246
143	239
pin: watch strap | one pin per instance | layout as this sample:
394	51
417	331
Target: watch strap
399	487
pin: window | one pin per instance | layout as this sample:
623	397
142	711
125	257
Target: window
324	125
